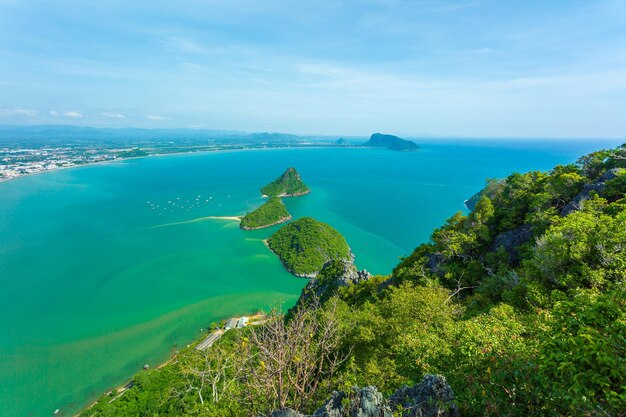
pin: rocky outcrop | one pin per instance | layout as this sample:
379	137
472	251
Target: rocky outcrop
597	186
471	202
365	402
432	397
287	412
334	274
434	262
511	241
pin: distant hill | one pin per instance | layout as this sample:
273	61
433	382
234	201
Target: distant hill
379	140
48	133
342	142
287	185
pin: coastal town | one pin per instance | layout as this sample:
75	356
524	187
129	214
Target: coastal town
24	161
64	147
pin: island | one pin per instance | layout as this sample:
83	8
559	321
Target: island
379	140
306	245
342	142
272	212
289	184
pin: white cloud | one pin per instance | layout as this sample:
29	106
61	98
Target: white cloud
71	114
18	111
113	115
157	117
186	45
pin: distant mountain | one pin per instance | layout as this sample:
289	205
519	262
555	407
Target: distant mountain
342	142
379	140
85	133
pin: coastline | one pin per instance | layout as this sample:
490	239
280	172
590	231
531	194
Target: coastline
255	319
3	180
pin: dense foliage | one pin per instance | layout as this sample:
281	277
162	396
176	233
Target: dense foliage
272	212
287	185
521	307
305	245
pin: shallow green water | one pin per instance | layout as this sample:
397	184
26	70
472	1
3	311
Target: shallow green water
91	290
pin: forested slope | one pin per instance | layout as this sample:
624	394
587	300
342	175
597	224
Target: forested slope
520	305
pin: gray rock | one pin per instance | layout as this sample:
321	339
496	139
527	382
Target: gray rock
597	186
323	288
434	263
432	397
287	412
365	402
511	241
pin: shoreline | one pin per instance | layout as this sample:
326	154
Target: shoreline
3	180
255	319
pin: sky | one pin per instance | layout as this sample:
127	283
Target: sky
550	68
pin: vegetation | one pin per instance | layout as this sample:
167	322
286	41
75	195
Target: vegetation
305	245
379	140
289	184
272	212
535	326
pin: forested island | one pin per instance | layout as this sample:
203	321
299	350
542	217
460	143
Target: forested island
305	245
379	140
272	212
289	184
516	309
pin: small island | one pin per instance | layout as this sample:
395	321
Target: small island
306	245
287	185
379	140
342	142
272	212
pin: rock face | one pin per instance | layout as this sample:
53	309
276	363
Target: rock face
598	186
287	412
434	263
471	202
511	241
334	274
379	140
432	397
365	402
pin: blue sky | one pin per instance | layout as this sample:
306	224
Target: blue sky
467	68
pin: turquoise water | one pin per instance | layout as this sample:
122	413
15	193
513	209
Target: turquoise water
96	281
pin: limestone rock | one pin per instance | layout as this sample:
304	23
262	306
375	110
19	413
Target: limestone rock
598	186
365	402
432	397
511	241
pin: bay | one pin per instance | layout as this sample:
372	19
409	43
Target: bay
109	267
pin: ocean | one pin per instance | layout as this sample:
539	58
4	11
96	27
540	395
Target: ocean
103	271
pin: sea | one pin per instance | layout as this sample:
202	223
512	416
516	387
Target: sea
107	268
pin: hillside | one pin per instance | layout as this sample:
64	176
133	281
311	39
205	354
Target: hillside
289	184
305	245
521	305
379	140
272	212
